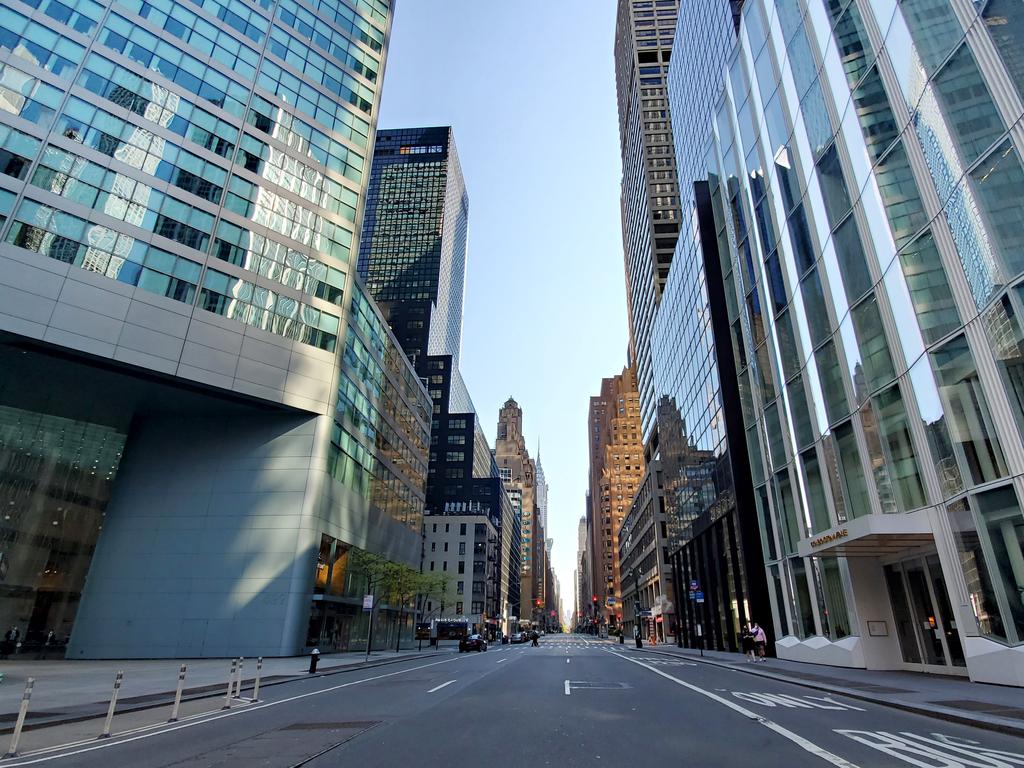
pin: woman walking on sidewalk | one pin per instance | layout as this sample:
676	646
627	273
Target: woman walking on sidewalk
747	642
760	640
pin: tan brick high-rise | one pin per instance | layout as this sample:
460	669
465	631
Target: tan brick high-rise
616	468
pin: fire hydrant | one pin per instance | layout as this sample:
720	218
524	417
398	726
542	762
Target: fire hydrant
314	658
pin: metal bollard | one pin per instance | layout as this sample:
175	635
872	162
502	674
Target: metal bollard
238	678
113	703
231	684
256	685
12	751
177	695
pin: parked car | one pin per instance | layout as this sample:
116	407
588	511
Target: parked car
472	643
518	637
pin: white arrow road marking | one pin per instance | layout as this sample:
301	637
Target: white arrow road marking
442	685
796	738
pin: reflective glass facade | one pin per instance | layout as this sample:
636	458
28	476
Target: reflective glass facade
412	255
181	191
867	183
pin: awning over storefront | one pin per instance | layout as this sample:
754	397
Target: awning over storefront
872	536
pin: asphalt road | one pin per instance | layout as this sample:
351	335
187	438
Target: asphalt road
570	702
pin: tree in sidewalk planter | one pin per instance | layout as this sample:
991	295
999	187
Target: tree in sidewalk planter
396	584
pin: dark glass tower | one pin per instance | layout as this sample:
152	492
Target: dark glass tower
412	256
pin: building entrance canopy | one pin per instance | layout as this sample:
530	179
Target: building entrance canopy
872	536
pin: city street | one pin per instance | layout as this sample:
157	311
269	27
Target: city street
570	702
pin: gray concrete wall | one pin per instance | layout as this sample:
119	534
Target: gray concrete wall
50	301
211	536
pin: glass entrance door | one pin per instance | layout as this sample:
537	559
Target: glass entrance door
925	625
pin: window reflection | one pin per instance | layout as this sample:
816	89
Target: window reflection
937	314
902	462
964	403
1006	338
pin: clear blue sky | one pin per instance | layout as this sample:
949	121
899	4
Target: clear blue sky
529	88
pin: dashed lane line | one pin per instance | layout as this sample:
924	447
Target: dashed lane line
439	687
796	738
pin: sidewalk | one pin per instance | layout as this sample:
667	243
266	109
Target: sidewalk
993	707
66	691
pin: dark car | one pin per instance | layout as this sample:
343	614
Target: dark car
472	643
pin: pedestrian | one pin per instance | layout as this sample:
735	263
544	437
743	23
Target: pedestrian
760	641
10	637
748	644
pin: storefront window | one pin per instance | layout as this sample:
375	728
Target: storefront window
803	611
974	564
970	423
780	601
1000	514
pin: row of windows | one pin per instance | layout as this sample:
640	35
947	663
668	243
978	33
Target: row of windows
95	248
27	97
303	22
261	308
278	262
39	45
318	68
281	168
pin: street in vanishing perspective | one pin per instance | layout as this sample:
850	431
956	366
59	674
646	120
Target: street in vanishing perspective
432	383
382	715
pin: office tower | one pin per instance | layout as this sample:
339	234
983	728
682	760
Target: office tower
616	468
542	493
644	32
203	412
700	443
412	256
872	275
518	472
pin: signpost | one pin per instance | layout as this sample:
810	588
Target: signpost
367	603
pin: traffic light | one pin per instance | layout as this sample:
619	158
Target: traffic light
538	603
594	598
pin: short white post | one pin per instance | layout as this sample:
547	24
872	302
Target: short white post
231	684
238	678
177	695
113	703
12	751
256	684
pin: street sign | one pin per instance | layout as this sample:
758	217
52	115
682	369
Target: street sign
645	613
367	603
694	585
698	596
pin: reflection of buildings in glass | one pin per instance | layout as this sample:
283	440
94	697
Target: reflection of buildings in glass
55	481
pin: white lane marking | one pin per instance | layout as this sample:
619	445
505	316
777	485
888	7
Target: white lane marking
442	685
953	751
796	738
501	660
117	741
566	661
567	688
792	701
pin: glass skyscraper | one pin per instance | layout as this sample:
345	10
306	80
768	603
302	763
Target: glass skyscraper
415	235
221	410
867	186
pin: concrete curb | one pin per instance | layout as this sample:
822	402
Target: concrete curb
988	722
166	698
